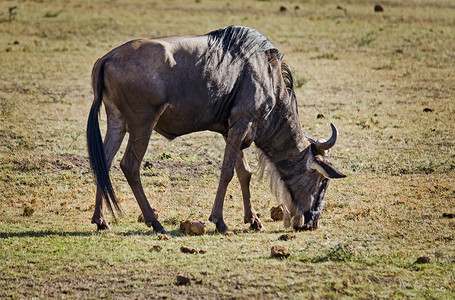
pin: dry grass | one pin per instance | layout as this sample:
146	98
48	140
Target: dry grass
385	79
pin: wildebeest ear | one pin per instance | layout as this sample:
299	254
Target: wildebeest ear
323	166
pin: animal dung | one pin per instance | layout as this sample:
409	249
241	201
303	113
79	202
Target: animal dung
183	280
156	248
447	215
422	260
190	250
276	213
287	237
190	227
279	252
378	8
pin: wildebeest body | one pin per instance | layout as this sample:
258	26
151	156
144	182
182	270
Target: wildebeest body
179	73
230	81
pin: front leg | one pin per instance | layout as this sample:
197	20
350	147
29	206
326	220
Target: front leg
232	152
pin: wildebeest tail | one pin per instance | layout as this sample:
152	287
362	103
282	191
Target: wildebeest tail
95	145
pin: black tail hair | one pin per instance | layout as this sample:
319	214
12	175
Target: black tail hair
95	145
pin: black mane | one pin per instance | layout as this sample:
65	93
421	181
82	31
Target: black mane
239	40
243	42
288	79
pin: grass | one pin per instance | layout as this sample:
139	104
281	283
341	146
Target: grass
385	79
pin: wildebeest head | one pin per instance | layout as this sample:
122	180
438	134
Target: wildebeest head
303	183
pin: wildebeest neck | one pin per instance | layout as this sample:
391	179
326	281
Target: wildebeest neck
280	137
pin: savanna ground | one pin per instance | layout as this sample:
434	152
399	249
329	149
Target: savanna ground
387	80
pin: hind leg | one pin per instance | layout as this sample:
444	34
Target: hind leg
244	174
130	164
140	132
114	136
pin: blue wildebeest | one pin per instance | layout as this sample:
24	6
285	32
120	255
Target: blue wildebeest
231	81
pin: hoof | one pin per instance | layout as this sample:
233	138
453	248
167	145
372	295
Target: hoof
257	225
310	226
222	228
162	231
220	225
157	227
101	225
163	237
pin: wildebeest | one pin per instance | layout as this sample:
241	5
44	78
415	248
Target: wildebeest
231	81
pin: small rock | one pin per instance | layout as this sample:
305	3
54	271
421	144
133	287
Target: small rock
320	116
190	227
426	109
183	280
283	9
163	236
276	213
156	248
378	8
287	237
279	252
422	260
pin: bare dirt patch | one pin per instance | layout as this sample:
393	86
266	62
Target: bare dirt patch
65	162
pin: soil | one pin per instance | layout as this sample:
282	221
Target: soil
63	162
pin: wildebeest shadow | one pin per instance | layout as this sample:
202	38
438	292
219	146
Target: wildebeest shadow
48	233
44	233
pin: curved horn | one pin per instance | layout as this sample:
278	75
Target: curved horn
326	145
